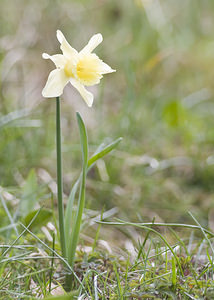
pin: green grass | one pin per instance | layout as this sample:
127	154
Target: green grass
151	270
160	101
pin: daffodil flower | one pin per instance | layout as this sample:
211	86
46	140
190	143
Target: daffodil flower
81	69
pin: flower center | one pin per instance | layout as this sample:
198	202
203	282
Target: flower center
88	69
69	69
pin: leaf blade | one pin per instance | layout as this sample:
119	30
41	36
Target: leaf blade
104	152
81	201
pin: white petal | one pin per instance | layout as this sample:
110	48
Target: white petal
55	84
69	52
104	68
92	44
58	59
87	96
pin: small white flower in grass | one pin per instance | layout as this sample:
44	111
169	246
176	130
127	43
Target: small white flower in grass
81	69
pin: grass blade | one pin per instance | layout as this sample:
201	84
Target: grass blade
174	272
8	214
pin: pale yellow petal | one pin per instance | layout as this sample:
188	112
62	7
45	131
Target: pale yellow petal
58	59
104	68
86	95
92	44
60	36
55	84
68	51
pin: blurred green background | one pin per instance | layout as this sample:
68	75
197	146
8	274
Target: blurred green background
160	101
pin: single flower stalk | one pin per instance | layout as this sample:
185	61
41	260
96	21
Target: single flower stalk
81	69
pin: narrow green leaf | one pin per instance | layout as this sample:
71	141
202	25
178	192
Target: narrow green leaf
83	139
174	272
29	194
43	217
61	297
81	201
69	210
103	152
175	114
69	213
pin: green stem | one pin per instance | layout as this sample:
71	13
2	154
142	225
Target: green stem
59	179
